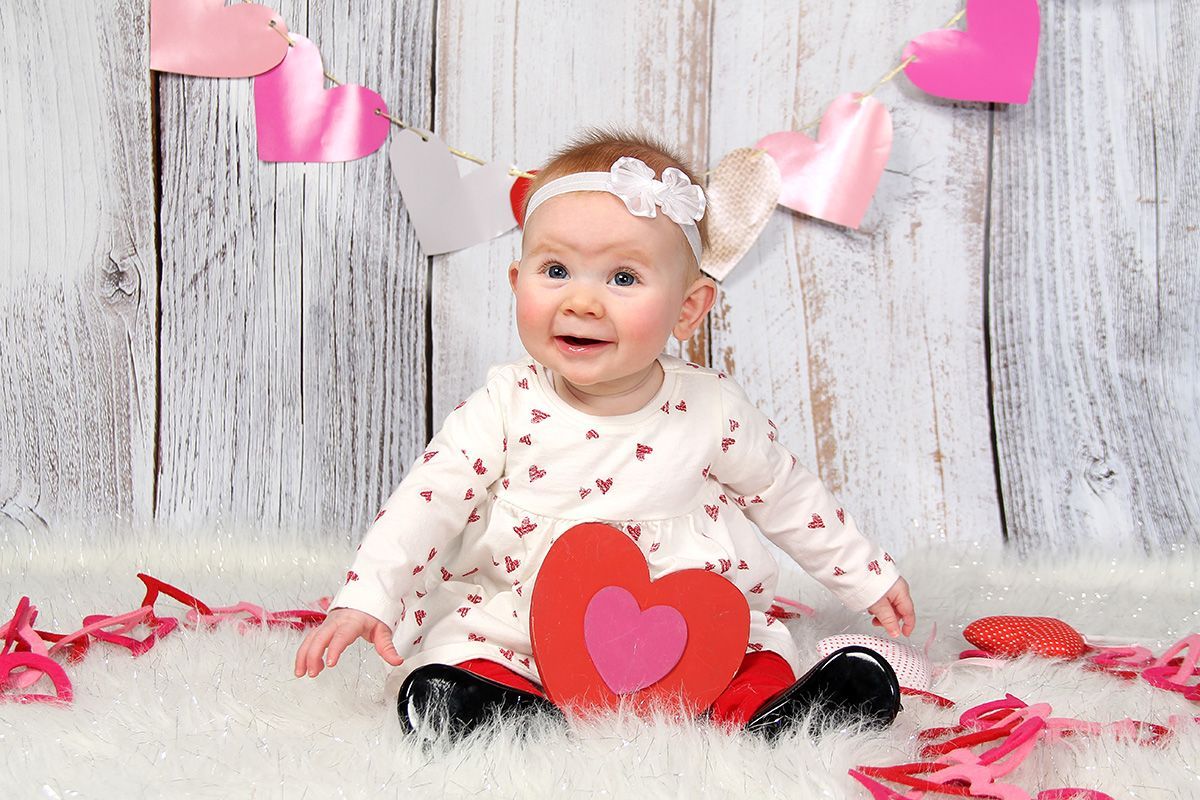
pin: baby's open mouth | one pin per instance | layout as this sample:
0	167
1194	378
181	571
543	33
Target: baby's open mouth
576	341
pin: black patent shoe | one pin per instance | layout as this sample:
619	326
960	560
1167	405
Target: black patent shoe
849	685
450	698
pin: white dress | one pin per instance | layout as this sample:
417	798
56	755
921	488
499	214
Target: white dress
450	562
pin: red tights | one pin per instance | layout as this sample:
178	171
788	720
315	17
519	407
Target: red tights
761	676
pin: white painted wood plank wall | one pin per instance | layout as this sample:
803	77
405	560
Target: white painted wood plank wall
1007	348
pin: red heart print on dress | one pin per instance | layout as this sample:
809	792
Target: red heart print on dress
681	405
525	527
643	450
461	403
666	407
704	472
841	515
351	576
504	483
474	637
523	383
418	568
755	646
874	567
584	493
475	598
470	493
474	517
446	574
537	416
733	425
462	612
535	473
838	572
743	565
478	466
428	455
525	439
634	530
725	443
723	499
712	511
591	434
432	554
726	564
428	495
654	547
419	615
510	563
888	558
740	500
817	522
756	499
417	640
604	484
709	566
756	588
472	572
507	653
382	511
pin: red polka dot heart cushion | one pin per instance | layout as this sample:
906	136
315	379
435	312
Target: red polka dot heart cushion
1015	636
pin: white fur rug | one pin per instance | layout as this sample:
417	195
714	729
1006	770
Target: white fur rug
218	714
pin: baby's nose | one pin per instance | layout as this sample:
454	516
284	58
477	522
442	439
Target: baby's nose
583	301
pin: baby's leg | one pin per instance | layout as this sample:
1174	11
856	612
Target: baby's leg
761	676
463	697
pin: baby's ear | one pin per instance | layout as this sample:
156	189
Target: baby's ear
696	304
513	268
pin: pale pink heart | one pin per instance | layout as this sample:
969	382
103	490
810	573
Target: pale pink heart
298	119
209	38
742	193
992	61
449	211
632	648
912	667
834	177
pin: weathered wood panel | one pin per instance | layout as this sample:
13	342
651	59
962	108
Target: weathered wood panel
78	284
293	314
515	83
866	346
1094	294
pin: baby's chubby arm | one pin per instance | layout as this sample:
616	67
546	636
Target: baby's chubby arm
340	628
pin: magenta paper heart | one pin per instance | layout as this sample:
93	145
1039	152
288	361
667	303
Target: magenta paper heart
834	177
992	61
33	666
298	119
631	648
206	37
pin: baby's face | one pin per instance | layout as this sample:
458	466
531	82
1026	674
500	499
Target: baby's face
599	290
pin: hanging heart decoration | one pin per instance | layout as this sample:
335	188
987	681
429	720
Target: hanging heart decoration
449	211
834	176
742	193
298	119
604	634
992	61
211	39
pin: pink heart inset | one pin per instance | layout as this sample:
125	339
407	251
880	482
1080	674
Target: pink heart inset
631	648
993	61
299	120
209	38
834	177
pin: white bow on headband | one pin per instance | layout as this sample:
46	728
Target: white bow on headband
632	181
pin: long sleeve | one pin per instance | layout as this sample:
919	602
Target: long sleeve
791	506
431	506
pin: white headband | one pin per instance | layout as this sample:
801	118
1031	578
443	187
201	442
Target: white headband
632	181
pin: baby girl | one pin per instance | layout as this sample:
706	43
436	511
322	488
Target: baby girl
597	423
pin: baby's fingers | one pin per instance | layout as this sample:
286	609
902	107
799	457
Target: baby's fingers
308	657
342	638
908	614
886	618
382	639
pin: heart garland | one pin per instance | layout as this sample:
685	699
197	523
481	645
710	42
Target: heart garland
25	658
742	193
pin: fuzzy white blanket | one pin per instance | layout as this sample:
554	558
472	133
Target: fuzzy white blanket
218	713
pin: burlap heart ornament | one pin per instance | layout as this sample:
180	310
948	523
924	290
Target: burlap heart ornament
742	193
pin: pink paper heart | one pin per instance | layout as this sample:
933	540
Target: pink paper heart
206	37
631	648
993	60
299	120
834	177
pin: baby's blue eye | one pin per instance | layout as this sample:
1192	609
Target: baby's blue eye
557	271
625	279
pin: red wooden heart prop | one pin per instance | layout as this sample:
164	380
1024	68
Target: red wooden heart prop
1015	636
594	556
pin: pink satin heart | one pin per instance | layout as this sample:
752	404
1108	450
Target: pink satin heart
206	37
299	120
37	666
631	648
834	177
992	61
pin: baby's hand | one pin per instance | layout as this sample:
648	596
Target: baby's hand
894	607
341	627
